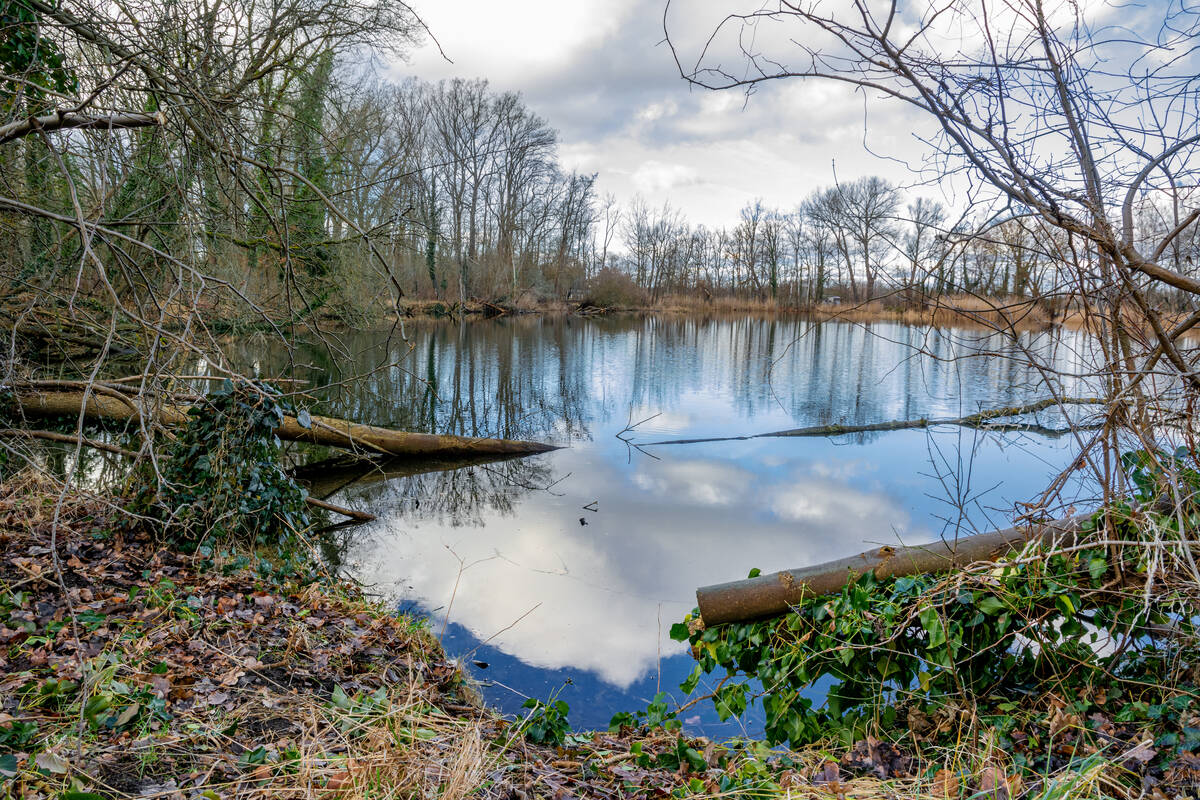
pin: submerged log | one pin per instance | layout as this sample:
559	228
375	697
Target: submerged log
774	594
983	420
109	404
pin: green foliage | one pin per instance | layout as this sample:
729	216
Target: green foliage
682	757
658	714
53	694
26	53
17	735
222	475
354	710
431	249
1008	648
546	722
1172	477
308	214
115	705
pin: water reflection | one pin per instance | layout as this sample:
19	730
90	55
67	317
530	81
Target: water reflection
574	564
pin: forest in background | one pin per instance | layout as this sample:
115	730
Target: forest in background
259	167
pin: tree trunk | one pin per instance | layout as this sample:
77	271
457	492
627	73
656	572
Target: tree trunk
774	594
322	430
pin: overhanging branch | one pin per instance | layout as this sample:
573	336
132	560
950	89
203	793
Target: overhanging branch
60	120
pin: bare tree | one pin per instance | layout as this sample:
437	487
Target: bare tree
1066	123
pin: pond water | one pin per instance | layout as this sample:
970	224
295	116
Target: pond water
563	572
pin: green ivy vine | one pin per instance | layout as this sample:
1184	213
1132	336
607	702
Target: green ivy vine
933	656
221	477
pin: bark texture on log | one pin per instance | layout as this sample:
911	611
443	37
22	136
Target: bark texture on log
327	431
772	595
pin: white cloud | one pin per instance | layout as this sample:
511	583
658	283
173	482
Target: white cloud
653	177
599	72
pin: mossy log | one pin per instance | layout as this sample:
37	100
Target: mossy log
109	404
774	594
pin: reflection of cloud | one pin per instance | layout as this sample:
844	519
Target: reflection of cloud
604	587
823	501
841	470
710	483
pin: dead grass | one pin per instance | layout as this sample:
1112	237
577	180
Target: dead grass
718	304
1010	313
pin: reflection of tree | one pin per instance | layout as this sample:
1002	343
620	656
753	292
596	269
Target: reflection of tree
555	378
96	469
519	379
456	496
559	378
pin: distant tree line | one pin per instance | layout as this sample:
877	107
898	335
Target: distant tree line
254	167
863	239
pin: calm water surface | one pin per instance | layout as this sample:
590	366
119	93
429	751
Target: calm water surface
564	572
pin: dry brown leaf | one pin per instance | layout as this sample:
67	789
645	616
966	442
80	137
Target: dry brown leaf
829	773
946	784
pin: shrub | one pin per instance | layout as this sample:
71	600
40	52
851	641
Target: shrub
222	474
547	721
611	288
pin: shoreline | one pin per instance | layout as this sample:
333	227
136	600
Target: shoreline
220	675
999	314
205	676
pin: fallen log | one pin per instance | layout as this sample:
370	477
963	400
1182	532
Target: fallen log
774	594
65	438
357	516
984	420
978	420
328	431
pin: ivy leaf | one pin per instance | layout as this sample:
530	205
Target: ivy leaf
340	699
990	605
303	419
690	683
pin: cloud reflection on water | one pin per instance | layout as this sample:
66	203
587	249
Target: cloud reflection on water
663	528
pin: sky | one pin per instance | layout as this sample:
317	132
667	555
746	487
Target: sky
599	72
